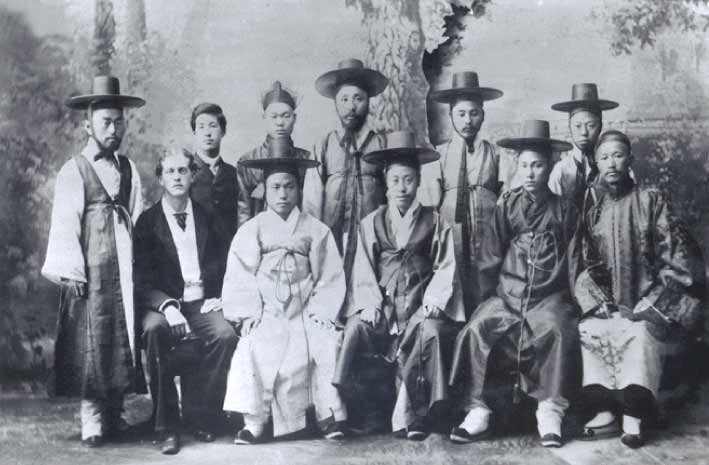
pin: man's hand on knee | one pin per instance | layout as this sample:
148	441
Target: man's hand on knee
371	316
176	320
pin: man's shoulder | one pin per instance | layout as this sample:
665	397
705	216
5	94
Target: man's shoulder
149	215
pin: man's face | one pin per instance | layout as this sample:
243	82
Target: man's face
207	134
613	160
585	128
282	193
467	117
280	119
352	105
533	170
402	184
107	127
176	177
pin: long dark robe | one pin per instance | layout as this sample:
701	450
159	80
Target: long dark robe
527	245
399	281
93	358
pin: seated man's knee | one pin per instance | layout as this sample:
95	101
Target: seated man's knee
224	334
155	326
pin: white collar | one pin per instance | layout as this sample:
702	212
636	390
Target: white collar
211	162
277	222
167	208
459	142
396	217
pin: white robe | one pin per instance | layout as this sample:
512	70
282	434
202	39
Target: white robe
289	276
65	258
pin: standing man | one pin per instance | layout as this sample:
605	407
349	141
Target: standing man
402	306
97	198
279	115
528	316
577	170
215	186
344	189
465	183
179	267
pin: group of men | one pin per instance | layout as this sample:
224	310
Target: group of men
371	273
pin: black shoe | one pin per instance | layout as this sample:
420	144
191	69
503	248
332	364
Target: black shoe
171	444
461	436
416	431
244	437
203	435
551	440
93	441
632	440
335	431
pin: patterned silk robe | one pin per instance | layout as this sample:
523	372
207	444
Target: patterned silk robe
288	276
633	252
487	173
523	268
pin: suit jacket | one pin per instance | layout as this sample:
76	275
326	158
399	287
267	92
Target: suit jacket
156	271
218	196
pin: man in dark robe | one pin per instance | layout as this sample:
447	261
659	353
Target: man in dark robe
640	284
97	198
179	267
465	183
215	186
402	307
528	317
345	188
280	117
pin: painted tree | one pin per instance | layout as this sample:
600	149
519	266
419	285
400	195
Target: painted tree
400	34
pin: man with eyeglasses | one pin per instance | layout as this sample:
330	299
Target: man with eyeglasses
179	267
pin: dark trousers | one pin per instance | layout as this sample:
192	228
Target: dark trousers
203	380
635	401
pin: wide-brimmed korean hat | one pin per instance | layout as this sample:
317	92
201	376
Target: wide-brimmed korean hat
104	89
351	71
281	159
465	84
535	135
584	95
401	148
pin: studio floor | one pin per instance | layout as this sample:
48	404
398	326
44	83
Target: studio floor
36	430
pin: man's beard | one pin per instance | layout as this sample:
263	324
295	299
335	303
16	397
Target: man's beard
108	145
355	123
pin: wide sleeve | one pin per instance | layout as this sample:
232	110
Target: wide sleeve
135	201
493	249
430	193
364	291
555	182
314	184
328	278
241	297
65	257
440	290
680	269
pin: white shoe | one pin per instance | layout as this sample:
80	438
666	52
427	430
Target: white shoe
474	427
631	425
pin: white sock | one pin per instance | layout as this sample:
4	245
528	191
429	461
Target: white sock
254	423
477	420
631	425
550	413
603	418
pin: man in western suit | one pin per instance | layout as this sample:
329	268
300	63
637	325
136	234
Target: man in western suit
179	267
215	186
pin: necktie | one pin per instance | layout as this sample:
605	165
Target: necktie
181	220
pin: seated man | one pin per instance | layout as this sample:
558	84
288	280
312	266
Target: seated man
178	277
528	316
402	304
639	285
284	284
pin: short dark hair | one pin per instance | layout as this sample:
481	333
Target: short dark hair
175	151
210	109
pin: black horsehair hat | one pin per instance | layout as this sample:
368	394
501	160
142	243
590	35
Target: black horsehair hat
104	90
465	84
401	148
584	96
351	71
281	159
535	136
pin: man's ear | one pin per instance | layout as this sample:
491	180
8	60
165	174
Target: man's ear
87	126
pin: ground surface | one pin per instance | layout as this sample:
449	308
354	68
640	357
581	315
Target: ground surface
45	432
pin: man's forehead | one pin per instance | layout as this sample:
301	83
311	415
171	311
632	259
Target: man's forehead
176	160
107	113
206	118
350	89
466	104
531	154
278	107
583	116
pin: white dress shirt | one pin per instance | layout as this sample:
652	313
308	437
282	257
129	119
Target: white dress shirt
186	245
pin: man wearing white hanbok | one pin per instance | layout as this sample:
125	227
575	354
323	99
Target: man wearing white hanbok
285	284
